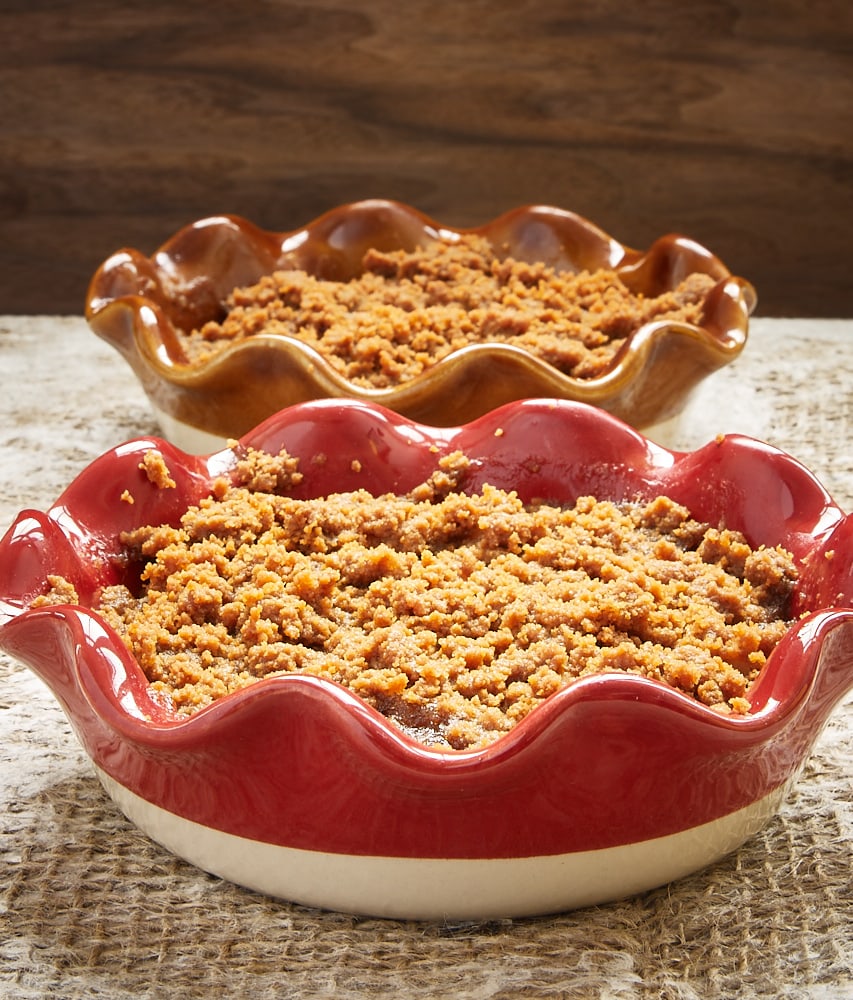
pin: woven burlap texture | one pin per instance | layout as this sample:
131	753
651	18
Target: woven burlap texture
92	908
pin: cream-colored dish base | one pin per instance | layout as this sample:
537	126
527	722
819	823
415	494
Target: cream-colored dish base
445	888
189	439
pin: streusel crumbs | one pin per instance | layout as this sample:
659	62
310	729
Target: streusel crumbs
454	615
409	309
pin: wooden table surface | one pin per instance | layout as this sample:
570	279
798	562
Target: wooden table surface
90	907
731	123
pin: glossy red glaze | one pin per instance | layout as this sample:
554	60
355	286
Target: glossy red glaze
610	760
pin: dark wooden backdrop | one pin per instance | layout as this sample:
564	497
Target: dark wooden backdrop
731	122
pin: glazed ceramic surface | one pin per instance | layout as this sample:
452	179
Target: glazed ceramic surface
296	787
139	304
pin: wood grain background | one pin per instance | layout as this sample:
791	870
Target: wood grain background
731	122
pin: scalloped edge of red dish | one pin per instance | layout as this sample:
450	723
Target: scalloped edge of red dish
138	303
303	764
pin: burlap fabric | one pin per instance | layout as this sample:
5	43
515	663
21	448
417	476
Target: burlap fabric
92	908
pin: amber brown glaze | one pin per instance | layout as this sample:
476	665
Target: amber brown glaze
139	303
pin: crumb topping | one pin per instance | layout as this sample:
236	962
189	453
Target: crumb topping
154	466
60	591
409	309
453	614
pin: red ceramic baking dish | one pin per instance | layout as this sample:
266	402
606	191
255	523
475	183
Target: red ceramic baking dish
295	787
141	305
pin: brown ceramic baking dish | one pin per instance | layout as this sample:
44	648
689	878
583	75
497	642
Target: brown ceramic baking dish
140	304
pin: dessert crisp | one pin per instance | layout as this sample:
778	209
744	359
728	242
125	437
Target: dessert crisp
408	309
454	615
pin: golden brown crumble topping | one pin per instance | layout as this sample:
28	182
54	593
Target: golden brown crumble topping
455	615
410	309
60	591
154	466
